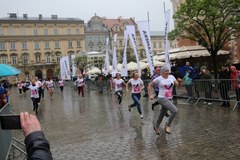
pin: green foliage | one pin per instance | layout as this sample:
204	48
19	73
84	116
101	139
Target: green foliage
210	23
81	62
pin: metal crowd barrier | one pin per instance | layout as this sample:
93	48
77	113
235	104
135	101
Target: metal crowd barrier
6	136
210	90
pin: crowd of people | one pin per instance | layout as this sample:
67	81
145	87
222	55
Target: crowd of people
161	86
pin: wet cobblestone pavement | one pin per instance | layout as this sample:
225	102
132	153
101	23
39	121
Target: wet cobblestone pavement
98	128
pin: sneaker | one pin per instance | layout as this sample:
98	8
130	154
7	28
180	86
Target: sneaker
157	130
129	108
141	116
209	103
167	129
205	102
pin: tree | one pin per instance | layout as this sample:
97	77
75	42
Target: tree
81	62
210	23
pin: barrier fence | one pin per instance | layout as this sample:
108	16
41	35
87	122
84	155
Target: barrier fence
209	90
6	136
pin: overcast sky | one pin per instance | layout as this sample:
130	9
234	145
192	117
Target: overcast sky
85	9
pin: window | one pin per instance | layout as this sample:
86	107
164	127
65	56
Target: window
35	31
37	45
1	31
23	31
154	45
4	59
69	44
2	46
91	39
45	31
77	31
11	33
57	44
38	58
12	46
48	58
58	57
78	43
99	48
25	59
120	43
99	39
14	60
47	45
91	49
68	31
24	45
55	31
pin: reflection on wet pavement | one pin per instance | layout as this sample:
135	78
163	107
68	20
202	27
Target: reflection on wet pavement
98	128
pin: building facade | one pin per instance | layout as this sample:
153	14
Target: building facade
35	45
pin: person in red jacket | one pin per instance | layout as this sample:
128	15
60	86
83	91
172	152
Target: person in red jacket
235	81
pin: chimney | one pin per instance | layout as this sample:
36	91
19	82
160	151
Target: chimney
25	16
54	16
40	16
119	18
13	15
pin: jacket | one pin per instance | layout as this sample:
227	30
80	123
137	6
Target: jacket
37	147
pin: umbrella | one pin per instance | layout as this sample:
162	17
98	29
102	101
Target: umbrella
94	71
6	70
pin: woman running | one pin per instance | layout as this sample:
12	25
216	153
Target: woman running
117	83
137	86
80	85
61	84
20	87
165	83
50	87
34	95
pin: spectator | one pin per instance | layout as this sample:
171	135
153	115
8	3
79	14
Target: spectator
145	79
206	84
235	83
37	146
188	82
224	85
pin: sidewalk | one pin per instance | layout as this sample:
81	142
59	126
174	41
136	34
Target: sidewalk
98	128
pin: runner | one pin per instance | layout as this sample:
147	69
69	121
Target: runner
137	86
80	85
50	87
61	84
34	89
39	84
20	87
165	83
117	83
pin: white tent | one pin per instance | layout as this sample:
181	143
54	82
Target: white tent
158	63
95	70
134	66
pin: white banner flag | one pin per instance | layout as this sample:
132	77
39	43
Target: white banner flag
114	60
62	70
132	35
67	67
143	28
124	71
167	21
106	64
74	68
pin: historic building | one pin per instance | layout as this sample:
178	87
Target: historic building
35	45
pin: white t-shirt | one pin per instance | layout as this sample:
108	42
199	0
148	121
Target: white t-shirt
50	84
39	83
60	83
118	84
80	82
136	85
34	91
165	86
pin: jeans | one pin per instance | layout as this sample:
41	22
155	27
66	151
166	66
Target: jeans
166	105
136	98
